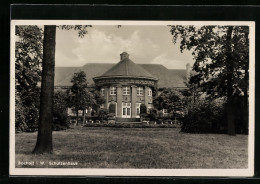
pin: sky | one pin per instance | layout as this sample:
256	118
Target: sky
104	44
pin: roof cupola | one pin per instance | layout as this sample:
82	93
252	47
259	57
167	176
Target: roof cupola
123	56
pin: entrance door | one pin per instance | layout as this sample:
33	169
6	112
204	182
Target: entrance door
126	108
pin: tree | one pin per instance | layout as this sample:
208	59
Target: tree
221	60
28	54
44	138
143	111
169	99
80	98
112	108
98	99
102	114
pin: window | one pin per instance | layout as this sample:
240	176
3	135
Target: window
140	91
138	109
150	92
126	110
112	90
126	90
102	92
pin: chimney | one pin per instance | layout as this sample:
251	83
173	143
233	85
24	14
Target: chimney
123	56
187	72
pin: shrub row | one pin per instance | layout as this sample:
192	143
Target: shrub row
131	125
210	117
204	118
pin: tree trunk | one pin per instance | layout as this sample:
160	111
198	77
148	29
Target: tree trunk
84	117
44	139
230	99
77	119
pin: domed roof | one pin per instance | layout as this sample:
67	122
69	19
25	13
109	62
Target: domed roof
126	68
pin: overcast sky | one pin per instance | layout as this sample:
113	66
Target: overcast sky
103	44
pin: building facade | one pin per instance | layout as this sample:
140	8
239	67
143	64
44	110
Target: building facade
126	86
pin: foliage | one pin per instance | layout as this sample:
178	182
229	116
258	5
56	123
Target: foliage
133	125
20	115
60	115
93	113
79	82
221	56
153	115
27	116
102	114
112	108
28	58
143	109
79	97
82	29
169	99
204	117
111	116
209	48
82	98
143	112
98	99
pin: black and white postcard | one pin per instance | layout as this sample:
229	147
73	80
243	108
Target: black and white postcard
132	98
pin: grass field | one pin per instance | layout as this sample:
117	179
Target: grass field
136	148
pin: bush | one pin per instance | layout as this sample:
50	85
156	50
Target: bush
27	111
168	120
204	117
126	125
57	127
153	114
112	108
20	119
143	109
93	113
102	114
60	115
143	112
159	121
26	119
111	116
60	118
160	114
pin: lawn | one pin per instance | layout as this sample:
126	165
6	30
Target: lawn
103	147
